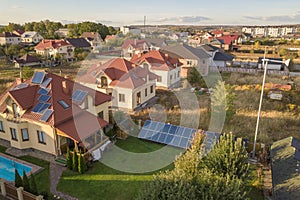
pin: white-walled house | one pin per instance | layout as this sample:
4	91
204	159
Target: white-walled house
8	38
218	57
131	47
95	40
53	48
271	64
31	37
167	68
130	86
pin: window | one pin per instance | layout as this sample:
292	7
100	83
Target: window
159	79
103	81
171	77
151	89
1	126
203	61
189	62
146	92
41	137
101	114
178	74
13	134
121	97
25	136
63	104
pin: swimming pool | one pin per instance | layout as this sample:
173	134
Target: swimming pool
8	166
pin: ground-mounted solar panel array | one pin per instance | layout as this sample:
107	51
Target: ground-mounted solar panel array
42	107
296	144
177	136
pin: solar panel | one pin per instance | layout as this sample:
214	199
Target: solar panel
44	98
63	104
37	107
296	143
46	115
43	108
21	86
43	91
46	82
79	95
38	77
297	155
167	134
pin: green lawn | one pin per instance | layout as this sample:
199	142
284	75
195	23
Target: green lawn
2	149
102	182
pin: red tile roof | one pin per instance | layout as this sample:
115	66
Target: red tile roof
157	60
27	99
51	44
122	72
228	39
136	44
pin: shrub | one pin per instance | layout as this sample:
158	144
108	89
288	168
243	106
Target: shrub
75	161
69	159
33	186
81	164
18	179
26	182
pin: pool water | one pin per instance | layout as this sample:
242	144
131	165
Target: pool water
7	168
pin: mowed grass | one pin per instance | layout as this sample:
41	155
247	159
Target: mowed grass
103	182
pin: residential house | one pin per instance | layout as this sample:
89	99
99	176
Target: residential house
156	43
94	38
18	32
229	42
62	32
174	36
130	86
9	38
167	68
31	37
110	37
127	29
273	64
190	57
27	60
269	31
218	57
50	113
134	46
79	43
55	48
285	158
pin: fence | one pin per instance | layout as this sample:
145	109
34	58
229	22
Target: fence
11	192
248	71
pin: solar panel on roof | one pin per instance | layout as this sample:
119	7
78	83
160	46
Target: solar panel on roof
43	91
37	107
46	82
75	94
20	86
46	115
43	108
38	77
44	98
81	96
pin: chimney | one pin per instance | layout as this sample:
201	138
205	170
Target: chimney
65	85
19	80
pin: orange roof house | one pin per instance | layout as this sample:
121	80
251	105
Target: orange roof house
50	112
162	64
122	77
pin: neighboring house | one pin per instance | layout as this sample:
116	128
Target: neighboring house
18	32
167	68
110	37
156	43
55	48
31	37
174	36
9	38
271	64
218	57
229	41
79	43
62	32
190	57
95	40
27	60
50	113
131	47
130	86
127	29
285	158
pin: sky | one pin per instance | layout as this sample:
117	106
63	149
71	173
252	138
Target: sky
157	12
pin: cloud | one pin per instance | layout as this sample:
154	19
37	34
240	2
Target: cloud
276	18
183	19
15	7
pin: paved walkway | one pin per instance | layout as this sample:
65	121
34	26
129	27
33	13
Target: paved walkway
55	174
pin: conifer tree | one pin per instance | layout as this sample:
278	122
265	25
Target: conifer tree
26	182
33	186
69	159
18	179
75	161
